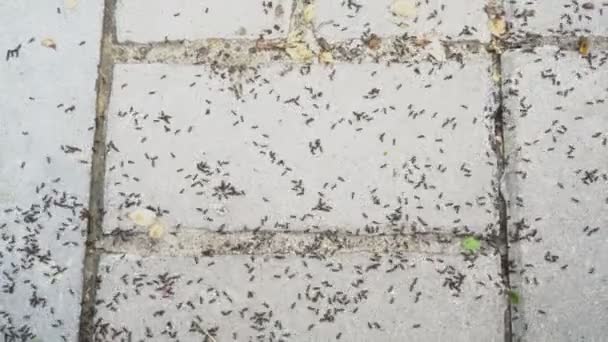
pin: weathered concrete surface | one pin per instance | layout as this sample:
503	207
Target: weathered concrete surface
347	297
557	187
359	148
47	111
157	20
402	145
461	19
558	17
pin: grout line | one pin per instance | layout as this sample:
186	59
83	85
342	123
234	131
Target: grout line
395	49
502	243
96	211
499	45
502	204
280	41
193	242
529	41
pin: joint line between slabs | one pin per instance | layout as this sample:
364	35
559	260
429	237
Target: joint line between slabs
96	195
502	241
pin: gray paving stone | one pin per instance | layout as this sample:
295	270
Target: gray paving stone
47	112
557	188
460	19
369	148
558	17
157	20
351	297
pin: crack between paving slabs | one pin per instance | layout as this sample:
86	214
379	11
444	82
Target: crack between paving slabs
502	238
94	227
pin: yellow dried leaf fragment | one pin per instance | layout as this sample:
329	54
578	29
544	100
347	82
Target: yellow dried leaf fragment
583	46
49	43
70	4
156	230
297	49
143	217
497	26
404	8
326	57
309	13
299	52
496	76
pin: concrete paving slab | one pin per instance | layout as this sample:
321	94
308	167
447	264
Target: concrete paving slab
362	148
350	297
558	17
47	111
557	188
157	20
460	19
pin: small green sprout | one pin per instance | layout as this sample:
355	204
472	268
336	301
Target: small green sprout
514	297
471	244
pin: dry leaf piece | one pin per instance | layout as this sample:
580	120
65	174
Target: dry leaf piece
374	42
497	26
49	43
143	217
309	13
404	8
156	230
326	57
583	46
70	4
297	49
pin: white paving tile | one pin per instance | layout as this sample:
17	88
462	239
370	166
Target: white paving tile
557	188
157	20
356	147
351	297
47	112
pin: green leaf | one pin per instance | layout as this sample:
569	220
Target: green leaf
514	297
471	244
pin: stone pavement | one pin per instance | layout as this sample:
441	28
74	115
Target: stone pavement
298	170
47	122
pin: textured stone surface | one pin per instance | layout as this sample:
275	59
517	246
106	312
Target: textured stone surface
557	187
157	20
558	17
352	147
47	111
460	19
351	297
